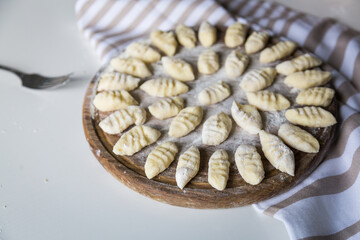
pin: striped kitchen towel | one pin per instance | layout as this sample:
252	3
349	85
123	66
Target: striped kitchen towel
326	205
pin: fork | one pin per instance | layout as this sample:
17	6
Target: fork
36	81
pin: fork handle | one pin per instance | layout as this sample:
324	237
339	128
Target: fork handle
17	72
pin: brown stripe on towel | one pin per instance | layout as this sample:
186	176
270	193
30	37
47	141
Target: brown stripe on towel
317	33
84	8
100	14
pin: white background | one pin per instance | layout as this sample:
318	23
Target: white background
51	186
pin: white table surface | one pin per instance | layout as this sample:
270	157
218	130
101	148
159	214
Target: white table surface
51	186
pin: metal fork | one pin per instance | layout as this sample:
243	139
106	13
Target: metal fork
36	81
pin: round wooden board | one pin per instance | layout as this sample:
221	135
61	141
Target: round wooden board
198	193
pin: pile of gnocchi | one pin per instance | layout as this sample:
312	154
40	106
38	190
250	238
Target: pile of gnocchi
113	95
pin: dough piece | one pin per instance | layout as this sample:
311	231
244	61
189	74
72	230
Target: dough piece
317	96
186	36
298	138
207	34
166	107
297	64
218	172
143	52
256	42
310	117
113	100
160	159
135	139
236	63
164	87
117	81
249	164
258	79
165	41
131	66
216	129
186	121
187	167
247	117
214	93
278	51
268	101
235	35
208	62
307	79
278	154
178	69
120	120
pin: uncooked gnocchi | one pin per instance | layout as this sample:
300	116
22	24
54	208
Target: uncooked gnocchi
247	117
248	162
317	96
307	79
235	35
310	117
218	172
208	62
120	120
143	52
186	121
216	129
178	69
113	100
256	42
277	52
117	81
165	41
214	93
258	79
187	167
268	101
236	63
132	66
160	159
135	139
297	64
278	154
207	34
186	36
164	87
298	138
166	107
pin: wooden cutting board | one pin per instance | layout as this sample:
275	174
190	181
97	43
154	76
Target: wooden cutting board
198	193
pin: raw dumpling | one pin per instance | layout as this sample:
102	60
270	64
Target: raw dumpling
278	154
214	93
117	81
165	41
166	107
135	139
310	117
236	63
258	79
207	34
216	129
143	52
186	121
297	64
298	138
218	173
186	36
113	100
164	87
130	66
256	42
268	101
235	35
208	62
188	166
178	69
278	51
160	159
120	120
318	96
307	79
247	117
249	164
